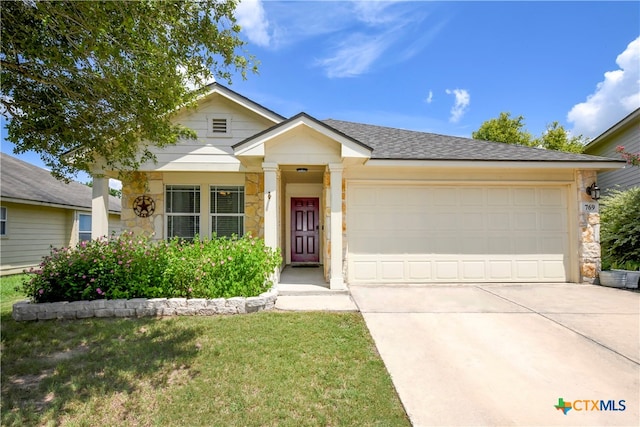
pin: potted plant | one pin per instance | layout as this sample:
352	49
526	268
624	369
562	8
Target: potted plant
631	269
612	278
620	238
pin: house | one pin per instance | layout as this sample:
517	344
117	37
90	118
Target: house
37	211
625	133
371	204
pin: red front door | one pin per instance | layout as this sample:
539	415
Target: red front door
305	229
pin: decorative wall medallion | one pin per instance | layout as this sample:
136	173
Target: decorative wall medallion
144	206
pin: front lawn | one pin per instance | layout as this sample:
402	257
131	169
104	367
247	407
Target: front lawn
263	369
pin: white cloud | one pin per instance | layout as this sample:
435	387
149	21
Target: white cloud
252	18
463	99
429	98
354	55
615	97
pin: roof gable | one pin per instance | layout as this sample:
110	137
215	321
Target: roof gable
217	88
22	181
632	119
254	145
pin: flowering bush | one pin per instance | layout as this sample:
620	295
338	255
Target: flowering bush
632	158
135	267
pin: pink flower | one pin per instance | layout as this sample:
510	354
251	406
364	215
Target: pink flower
41	291
84	276
92	280
119	262
99	291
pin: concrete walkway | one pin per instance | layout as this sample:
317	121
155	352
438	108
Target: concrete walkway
304	289
504	354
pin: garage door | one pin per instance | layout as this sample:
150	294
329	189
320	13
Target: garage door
420	234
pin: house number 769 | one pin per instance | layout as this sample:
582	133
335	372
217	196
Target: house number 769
590	207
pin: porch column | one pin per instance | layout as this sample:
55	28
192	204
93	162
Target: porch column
336	281
100	207
270	204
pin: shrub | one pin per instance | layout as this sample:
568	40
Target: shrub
129	266
620	229
219	268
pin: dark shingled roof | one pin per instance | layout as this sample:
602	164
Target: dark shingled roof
400	144
24	181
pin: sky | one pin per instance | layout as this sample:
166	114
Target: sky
443	67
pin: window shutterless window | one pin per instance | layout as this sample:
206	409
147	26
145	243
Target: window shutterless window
183	210
227	210
3	221
84	227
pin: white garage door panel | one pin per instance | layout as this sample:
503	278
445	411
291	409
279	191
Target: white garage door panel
405	234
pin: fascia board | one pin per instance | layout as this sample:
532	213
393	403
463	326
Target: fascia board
507	164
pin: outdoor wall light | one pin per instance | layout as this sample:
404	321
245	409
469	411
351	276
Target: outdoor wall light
302	170
594	191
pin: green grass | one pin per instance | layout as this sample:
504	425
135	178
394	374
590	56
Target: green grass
264	369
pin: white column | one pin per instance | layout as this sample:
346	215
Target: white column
100	207
336	280
270	204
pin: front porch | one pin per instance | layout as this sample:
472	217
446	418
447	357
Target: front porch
304	289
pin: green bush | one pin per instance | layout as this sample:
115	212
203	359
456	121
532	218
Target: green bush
620	229
129	266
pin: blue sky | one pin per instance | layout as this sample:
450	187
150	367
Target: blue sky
444	67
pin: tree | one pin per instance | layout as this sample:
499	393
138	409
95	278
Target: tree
104	79
504	129
511	131
557	138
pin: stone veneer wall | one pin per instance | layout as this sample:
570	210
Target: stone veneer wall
138	184
326	196
589	245
141	307
254	204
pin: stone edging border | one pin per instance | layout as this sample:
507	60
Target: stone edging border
142	307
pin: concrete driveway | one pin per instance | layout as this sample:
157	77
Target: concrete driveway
499	355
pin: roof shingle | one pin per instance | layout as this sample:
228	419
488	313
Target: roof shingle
24	181
400	144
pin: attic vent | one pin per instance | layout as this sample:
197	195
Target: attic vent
219	125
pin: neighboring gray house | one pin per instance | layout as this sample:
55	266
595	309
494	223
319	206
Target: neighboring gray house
625	133
38	211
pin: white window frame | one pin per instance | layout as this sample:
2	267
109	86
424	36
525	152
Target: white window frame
4	214
80	231
212	215
215	133
196	214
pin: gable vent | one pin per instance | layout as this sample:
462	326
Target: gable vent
219	125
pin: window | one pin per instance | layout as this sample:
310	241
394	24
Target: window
183	211
84	227
3	221
219	125
227	211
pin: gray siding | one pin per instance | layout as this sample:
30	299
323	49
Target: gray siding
621	178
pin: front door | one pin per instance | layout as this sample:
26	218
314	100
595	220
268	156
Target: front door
305	229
